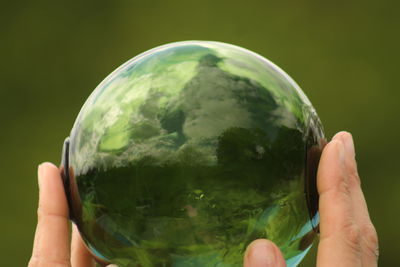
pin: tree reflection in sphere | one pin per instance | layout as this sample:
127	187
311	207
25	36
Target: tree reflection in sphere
190	151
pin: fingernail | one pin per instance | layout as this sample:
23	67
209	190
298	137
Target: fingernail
347	139
112	265
349	144
341	151
262	255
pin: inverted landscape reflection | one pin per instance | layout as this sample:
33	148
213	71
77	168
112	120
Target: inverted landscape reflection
190	151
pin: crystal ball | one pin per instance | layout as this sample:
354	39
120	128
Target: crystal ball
190	151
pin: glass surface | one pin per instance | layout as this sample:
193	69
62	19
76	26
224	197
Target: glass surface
190	151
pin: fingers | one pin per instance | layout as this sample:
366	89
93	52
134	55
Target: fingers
263	253
51	245
80	256
368	236
347	234
360	206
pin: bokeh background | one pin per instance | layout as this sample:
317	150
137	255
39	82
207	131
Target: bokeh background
344	54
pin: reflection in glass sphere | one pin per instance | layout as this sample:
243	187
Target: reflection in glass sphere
190	151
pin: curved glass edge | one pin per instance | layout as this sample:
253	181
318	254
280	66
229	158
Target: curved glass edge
294	261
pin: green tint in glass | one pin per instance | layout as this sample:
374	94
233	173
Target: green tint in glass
190	151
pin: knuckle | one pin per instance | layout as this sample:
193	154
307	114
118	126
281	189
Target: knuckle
344	187
43	214
39	213
353	177
352	236
370	239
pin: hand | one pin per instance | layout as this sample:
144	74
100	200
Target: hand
348	238
347	235
52	245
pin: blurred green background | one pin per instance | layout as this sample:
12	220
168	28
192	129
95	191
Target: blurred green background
344	54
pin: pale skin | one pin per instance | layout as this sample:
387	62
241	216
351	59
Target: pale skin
347	235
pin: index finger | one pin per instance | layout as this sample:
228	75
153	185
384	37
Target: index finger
51	245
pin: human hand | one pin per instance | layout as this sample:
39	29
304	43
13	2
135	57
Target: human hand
347	238
52	246
347	235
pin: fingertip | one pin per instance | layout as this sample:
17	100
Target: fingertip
45	169
263	253
336	143
331	166
47	165
51	190
341	135
347	139
334	150
52	235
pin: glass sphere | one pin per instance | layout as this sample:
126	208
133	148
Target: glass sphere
187	153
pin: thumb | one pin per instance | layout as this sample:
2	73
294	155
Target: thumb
263	253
